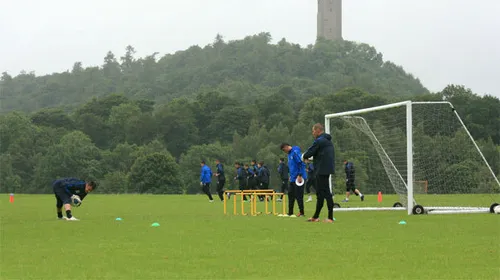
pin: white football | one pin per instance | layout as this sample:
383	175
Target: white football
76	200
311	158
496	210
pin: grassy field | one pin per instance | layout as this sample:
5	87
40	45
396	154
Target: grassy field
196	241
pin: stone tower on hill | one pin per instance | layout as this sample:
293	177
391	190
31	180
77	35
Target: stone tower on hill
330	19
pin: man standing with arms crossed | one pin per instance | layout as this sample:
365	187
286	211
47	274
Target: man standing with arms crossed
323	152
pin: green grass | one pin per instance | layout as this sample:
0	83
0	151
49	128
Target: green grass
196	241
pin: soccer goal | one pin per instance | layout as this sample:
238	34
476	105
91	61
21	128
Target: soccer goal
420	152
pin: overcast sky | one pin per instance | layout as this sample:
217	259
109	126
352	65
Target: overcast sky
439	41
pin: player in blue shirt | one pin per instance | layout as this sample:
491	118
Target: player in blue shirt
206	179
297	170
65	190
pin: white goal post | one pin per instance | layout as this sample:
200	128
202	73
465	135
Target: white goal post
397	133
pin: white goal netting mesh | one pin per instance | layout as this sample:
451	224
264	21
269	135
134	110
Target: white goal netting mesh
448	170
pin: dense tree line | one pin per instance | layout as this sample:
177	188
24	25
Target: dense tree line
142	125
130	147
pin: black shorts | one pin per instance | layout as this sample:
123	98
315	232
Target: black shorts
62	196
350	186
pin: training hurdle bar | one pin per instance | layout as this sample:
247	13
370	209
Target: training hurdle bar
253	194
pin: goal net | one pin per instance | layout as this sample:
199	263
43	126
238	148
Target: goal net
418	155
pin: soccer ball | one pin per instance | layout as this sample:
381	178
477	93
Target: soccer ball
311	158
496	210
76	200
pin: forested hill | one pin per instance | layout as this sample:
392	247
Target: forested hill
142	125
243	69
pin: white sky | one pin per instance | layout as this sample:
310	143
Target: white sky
439	41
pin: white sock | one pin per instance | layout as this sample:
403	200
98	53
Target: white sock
360	194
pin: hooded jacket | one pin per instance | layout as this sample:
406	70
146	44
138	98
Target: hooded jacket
323	152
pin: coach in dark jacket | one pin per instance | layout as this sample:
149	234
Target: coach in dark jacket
323	154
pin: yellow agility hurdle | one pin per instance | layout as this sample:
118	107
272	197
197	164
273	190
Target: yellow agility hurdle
253	201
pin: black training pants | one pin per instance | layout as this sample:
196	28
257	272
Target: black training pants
220	188
310	183
323	192
206	190
284	186
295	193
263	186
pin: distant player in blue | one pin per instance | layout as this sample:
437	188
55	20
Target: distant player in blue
263	175
251	177
350	175
221	179
310	178
206	179
283	172
241	176
65	189
297	169
255	168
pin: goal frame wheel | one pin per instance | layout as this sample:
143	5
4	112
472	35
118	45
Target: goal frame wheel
397	204
492	207
336	205
418	210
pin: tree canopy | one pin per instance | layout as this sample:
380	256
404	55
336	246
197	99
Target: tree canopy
242	69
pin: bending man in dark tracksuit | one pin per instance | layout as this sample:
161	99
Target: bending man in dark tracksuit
323	153
65	190
221	179
297	170
283	172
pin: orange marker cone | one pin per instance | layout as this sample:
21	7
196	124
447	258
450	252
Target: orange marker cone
379	197
11	198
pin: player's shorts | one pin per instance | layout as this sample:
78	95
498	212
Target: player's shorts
62	196
350	186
